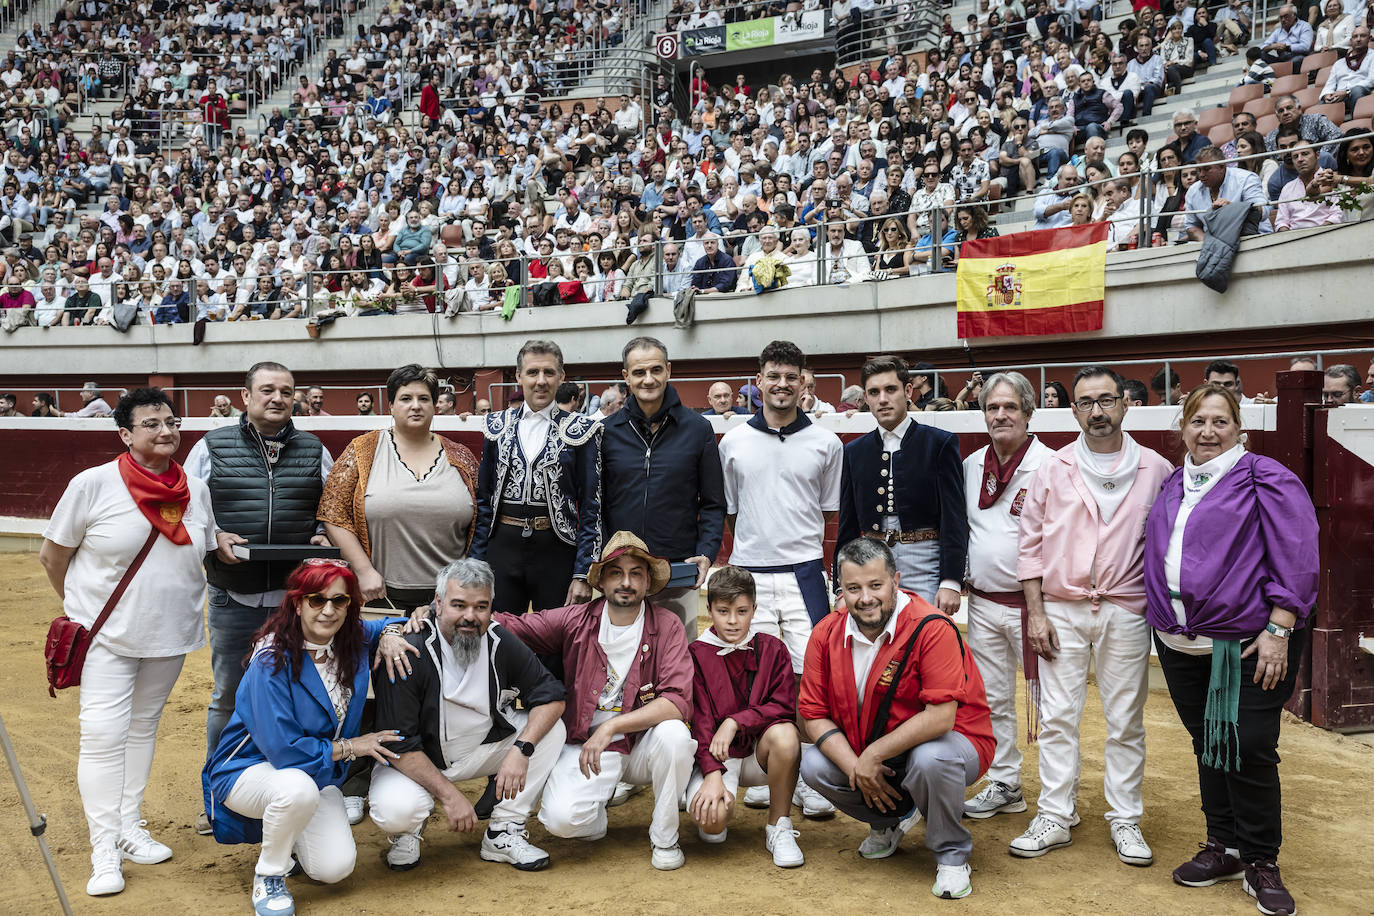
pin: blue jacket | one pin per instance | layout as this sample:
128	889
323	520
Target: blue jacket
284	720
667	487
563	483
922	484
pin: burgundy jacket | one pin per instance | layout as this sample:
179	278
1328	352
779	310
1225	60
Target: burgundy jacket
754	687
662	666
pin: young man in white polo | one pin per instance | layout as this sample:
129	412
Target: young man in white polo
782	485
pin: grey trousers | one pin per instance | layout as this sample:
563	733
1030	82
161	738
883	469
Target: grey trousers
934	778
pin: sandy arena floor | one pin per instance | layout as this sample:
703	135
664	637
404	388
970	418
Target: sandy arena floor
1328	783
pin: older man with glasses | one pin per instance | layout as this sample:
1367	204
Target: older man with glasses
1291	39
1312	127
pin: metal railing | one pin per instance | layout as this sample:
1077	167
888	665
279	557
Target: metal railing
911	25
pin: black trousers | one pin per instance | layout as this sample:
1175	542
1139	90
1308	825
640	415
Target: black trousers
1243	809
532	573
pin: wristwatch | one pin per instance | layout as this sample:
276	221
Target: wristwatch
1280	632
525	747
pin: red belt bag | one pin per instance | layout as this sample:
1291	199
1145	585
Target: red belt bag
65	649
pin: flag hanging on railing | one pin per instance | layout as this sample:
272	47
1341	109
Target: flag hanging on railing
1043	281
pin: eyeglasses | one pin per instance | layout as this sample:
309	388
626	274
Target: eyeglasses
318	601
152	426
790	378
1106	402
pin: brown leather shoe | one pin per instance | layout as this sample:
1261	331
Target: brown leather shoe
1210	865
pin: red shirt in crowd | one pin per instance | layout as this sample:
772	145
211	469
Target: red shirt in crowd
755	687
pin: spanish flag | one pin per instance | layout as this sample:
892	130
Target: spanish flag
1044	281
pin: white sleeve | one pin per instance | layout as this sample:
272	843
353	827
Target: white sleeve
67	526
830	475
731	484
197	462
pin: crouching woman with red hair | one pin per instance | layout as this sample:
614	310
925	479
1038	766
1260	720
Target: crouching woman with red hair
274	777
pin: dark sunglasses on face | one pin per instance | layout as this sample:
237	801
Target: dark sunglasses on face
318	601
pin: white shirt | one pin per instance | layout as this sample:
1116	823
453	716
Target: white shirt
619	644
466	712
779	487
160	614
993	533
863	650
533	428
892	442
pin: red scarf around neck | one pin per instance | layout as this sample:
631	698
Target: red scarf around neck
162	504
996	475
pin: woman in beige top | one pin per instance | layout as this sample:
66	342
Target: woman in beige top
399	503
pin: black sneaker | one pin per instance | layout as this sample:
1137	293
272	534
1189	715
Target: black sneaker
1262	882
1210	865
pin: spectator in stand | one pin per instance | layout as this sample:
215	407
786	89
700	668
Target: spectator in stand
1291	39
1339	386
1148	68
1312	127
1352	77
714	271
1054	395
1306	201
1052	204
1178	54
1218	186
1095	110
1175	393
1055	134
1333	32
1187	141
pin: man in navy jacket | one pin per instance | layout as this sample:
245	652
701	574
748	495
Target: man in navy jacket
660	474
903	484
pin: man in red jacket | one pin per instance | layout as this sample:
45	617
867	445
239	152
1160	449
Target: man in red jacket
214	114
922	733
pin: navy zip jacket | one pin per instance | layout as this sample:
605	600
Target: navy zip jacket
666	487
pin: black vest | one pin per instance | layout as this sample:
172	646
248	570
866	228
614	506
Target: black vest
263	506
1089	107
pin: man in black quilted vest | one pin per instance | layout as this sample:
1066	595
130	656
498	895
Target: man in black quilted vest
265	478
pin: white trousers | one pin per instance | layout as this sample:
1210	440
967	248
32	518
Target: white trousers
398	804
297	817
575	806
121	702
739	771
782	613
994	637
1120	642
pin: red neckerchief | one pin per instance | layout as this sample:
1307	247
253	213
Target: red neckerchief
996	475
1353	62
162	503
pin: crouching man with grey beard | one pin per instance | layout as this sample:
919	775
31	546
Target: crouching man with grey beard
455	713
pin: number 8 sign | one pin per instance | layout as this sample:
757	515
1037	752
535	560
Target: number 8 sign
666	44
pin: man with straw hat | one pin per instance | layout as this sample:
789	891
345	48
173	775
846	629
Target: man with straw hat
628	676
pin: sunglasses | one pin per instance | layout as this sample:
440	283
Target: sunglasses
325	561
318	601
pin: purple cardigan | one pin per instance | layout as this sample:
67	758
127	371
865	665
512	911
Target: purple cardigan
1250	543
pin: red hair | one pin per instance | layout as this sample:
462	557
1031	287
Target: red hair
284	626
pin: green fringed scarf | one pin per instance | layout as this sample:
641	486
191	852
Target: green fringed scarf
1221	737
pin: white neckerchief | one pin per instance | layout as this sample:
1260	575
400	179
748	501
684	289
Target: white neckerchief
339	693
327	648
711	638
533	429
1198	479
1108	489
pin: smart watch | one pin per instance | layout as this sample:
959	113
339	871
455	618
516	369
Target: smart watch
525	747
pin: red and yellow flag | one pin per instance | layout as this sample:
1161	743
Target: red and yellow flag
1043	281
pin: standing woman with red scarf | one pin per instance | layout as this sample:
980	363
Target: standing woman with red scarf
101	525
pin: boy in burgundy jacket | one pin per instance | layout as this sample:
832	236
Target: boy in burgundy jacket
745	704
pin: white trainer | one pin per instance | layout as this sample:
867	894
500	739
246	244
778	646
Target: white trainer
355	806
810	802
951	882
996	798
140	848
107	870
1042	836
757	797
667	858
713	838
404	853
623	793
271	898
203	825
510	843
781	840
879	844
1131	847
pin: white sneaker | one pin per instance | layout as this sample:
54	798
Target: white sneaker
623	793
510	843
1131	847
203	825
810	802
404	853
879	844
354	806
107	870
1040	837
951	882
757	797
996	798
667	858
781	840
712	838
271	898
141	849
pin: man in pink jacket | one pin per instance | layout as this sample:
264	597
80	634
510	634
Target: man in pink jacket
1080	562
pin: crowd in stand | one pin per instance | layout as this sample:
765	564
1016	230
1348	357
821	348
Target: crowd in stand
482	197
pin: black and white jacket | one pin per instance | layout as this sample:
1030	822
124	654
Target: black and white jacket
414	706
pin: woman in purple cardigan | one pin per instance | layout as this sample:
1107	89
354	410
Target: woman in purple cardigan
1231	578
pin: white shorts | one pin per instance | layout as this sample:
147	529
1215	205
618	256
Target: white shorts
739	771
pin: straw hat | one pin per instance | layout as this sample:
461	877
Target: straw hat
622	543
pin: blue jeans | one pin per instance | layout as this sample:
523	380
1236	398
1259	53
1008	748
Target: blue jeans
1053	159
1127	106
1148	93
1085	131
231	627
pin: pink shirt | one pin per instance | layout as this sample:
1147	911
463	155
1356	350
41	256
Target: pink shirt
1295	212
1065	543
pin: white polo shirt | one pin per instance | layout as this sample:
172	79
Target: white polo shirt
779	486
992	532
